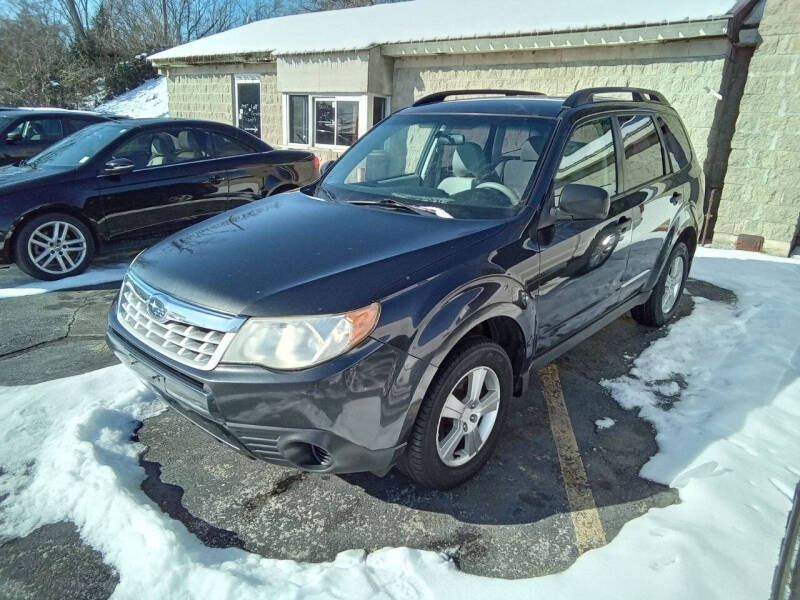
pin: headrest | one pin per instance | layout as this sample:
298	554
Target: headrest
188	140
468	160
162	145
528	152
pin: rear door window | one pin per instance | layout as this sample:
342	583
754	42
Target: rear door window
644	160
227	146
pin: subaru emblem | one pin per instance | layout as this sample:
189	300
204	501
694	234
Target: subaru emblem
157	309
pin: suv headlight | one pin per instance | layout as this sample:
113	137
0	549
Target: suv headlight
300	342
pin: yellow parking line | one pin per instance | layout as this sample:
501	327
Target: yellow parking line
589	531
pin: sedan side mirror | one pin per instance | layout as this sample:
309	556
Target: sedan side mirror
580	201
326	166
118	166
13	137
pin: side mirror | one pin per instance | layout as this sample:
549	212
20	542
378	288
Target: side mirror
13	137
580	201
326	166
118	166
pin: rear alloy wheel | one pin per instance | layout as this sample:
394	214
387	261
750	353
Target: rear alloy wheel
663	302
54	246
460	419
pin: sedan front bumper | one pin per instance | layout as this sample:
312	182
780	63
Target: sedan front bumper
345	416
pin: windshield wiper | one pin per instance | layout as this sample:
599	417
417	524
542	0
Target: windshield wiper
392	204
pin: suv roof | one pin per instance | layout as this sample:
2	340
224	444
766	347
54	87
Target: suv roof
527	103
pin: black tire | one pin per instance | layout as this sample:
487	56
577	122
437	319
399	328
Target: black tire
26	262
421	460
651	313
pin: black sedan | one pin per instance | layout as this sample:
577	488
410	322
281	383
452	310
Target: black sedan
116	184
26	132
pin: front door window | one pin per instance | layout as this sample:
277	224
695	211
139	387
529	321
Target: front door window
248	106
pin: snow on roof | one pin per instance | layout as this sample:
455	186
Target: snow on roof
428	20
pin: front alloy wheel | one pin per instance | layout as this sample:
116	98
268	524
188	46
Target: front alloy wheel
460	419
468	416
54	246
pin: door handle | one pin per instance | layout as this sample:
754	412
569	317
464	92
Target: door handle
624	224
675	198
215	179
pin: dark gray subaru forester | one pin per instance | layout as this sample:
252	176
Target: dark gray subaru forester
387	313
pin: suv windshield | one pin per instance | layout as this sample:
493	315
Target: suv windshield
450	165
78	148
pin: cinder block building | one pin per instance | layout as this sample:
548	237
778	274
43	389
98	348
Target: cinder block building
321	80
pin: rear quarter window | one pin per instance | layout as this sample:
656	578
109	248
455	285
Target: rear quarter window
676	141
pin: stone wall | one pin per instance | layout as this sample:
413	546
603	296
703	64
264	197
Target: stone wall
684	71
207	92
762	185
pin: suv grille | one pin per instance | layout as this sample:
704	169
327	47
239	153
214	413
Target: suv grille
187	334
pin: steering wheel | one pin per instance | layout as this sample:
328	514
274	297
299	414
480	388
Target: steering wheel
506	191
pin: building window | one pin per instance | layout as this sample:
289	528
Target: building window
298	119
330	120
335	121
379	109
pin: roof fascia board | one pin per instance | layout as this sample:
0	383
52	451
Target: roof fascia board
219	59
571	39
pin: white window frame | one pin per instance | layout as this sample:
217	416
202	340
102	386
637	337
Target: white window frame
371	102
364	116
247	78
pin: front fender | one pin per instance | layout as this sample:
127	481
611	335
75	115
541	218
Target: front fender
450	319
458	313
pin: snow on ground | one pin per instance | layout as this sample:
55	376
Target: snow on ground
145	101
360	28
728	442
12	287
604	423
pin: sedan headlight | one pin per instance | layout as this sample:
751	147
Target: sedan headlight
300	342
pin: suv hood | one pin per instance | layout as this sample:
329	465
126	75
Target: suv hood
293	254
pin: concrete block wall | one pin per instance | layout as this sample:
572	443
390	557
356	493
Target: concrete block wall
683	70
762	185
207	92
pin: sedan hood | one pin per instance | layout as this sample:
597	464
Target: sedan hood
293	254
12	177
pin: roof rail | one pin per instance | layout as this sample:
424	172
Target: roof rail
439	96
586	96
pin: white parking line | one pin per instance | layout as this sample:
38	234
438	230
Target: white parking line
586	522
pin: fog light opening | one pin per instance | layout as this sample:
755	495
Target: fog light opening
321	456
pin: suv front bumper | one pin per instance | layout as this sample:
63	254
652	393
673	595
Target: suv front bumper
347	415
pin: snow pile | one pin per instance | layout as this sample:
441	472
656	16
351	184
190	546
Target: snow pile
422	20
146	101
728	441
12	287
604	423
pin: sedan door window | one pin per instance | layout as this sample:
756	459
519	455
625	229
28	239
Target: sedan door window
39	130
165	147
224	145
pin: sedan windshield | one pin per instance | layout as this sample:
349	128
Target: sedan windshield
78	148
447	165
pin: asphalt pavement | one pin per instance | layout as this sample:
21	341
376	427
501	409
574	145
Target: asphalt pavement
517	518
